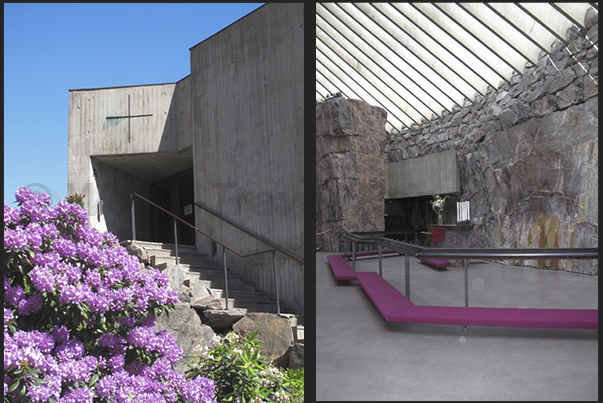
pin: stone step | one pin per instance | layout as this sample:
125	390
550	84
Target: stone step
250	306
162	248
219	284
237	294
187	260
201	271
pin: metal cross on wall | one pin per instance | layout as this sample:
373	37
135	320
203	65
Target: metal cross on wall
129	116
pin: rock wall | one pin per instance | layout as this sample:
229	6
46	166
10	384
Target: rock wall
528	155
350	173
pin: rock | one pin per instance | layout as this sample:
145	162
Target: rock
199	292
186	327
223	318
507	118
528	160
293	358
274	331
176	276
555	82
568	96
209	302
350	174
140	252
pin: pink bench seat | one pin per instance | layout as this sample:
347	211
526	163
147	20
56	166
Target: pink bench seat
341	269
508	317
438	264
395	307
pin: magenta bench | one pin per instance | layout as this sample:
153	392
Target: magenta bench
395	307
341	269
436	263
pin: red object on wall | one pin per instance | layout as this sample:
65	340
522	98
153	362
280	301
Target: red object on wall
437	234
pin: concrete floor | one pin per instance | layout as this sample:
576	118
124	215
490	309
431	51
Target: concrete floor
359	356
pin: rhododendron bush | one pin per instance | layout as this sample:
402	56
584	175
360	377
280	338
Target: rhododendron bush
79	314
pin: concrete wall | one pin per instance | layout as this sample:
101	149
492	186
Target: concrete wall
427	175
107	165
248	136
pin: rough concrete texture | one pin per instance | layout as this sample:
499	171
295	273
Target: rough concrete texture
528	157
248	139
360	357
350	174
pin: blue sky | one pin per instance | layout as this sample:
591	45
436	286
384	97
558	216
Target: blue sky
52	48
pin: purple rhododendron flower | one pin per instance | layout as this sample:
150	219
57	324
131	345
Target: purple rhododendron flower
59	270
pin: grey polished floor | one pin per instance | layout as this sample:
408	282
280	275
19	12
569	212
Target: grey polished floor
359	356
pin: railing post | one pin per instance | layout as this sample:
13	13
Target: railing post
278	304
354	255
407	274
466	282
133	219
225	275
176	238
380	262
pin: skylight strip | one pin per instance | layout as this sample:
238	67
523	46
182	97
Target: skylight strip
361	92
379	61
346	64
379	75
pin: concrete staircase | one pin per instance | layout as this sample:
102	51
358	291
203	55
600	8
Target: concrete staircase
200	270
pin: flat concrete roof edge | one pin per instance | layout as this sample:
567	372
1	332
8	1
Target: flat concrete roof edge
123	86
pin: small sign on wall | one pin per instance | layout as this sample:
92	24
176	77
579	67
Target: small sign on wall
188	209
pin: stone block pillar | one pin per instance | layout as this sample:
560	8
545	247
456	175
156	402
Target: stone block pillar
350	169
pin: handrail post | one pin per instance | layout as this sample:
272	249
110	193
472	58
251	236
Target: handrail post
354	255
225	276
466	282
133	219
380	262
278	305
407	274
176	238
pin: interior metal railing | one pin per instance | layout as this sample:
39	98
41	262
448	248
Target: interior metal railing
275	247
422	252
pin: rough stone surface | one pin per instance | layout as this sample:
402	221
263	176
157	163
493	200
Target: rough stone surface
140	252
223	318
176	276
209	302
186	327
292	358
528	159
350	175
273	330
199	291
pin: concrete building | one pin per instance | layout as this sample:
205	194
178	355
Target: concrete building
229	137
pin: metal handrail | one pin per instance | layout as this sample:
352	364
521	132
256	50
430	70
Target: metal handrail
249	232
224	246
466	254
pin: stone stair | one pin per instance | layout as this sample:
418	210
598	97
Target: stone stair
200	270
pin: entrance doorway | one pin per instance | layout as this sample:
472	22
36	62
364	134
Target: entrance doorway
176	195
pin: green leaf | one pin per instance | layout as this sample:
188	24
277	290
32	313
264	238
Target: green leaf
14	385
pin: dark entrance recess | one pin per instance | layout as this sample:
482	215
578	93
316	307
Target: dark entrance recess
407	219
175	194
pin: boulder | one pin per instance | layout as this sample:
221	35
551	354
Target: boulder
209	302
140	252
293	358
273	330
199	291
186	327
176	275
223	318
350	174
